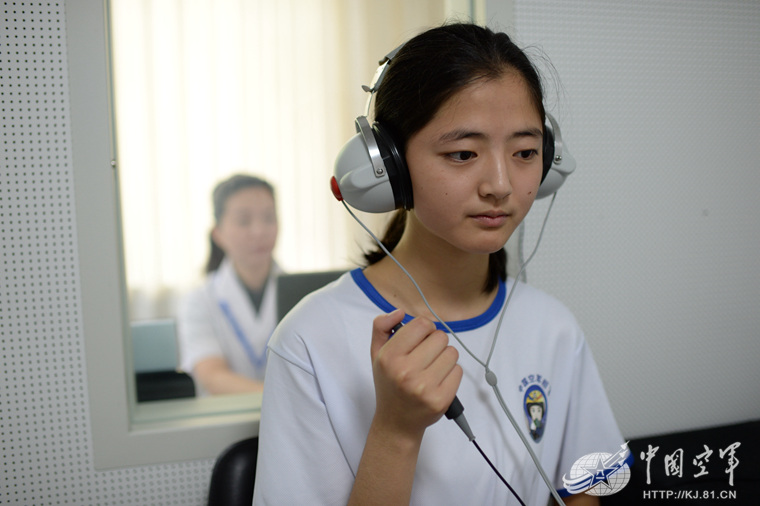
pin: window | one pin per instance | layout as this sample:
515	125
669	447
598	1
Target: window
294	66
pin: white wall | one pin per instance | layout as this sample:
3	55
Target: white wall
652	243
654	240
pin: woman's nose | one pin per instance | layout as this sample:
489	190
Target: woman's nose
260	228
495	181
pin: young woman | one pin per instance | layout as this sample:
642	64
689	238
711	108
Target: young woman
351	408
225	325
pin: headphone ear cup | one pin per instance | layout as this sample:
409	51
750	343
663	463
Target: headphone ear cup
355	180
558	162
370	171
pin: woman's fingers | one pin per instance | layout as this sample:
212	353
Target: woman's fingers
415	364
382	329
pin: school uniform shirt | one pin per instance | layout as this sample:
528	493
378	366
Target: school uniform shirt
319	401
219	320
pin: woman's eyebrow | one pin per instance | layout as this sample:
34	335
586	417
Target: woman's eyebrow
458	134
530	132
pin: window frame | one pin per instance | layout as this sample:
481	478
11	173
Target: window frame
124	433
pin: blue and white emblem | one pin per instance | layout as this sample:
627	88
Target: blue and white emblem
600	473
536	407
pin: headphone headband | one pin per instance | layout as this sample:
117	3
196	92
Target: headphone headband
378	78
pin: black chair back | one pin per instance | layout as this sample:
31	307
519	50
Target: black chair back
233	475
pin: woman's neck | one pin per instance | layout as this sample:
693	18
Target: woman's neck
254	275
452	282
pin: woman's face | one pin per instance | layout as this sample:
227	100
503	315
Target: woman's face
247	230
476	167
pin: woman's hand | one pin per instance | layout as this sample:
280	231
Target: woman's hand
416	377
416	374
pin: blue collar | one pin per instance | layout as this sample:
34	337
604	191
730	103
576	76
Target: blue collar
456	326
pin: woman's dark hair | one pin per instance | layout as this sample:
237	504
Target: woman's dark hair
426	72
222	192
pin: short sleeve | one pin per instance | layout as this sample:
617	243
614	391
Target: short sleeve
195	331
300	460
591	426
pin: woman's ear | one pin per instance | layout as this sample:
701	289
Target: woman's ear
217	237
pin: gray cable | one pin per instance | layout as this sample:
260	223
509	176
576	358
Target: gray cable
490	375
419	290
520	272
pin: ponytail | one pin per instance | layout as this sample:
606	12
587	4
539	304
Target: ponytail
215	257
393	233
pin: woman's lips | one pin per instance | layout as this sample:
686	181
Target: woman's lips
491	219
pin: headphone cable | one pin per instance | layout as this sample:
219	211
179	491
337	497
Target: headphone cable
498	473
490	375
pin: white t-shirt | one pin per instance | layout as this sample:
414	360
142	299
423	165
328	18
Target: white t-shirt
219	320
319	400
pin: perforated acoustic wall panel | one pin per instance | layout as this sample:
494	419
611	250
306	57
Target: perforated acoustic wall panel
44	411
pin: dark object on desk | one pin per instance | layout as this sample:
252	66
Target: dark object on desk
163	385
233	475
691	453
291	288
155	356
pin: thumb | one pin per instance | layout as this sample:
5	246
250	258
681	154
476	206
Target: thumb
382	327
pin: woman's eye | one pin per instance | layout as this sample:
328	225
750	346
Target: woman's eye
462	156
527	154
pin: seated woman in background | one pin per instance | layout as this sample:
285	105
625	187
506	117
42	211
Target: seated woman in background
224	326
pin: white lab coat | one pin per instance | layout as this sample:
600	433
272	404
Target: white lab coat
218	320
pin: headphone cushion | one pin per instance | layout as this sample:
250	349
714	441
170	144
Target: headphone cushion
548	151
395	163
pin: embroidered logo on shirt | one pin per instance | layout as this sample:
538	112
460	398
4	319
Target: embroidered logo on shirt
535	403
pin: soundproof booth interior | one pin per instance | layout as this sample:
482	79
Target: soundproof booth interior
108	106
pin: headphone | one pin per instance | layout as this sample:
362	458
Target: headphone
371	173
